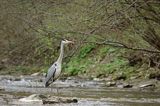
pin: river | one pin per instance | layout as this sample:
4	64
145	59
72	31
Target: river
87	92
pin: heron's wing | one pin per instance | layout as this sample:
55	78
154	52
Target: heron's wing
50	74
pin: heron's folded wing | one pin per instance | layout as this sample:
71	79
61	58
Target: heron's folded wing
50	74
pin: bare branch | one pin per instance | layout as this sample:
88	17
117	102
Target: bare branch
121	45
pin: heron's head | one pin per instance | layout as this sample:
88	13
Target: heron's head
67	42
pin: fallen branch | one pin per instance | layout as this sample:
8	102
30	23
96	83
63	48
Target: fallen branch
121	45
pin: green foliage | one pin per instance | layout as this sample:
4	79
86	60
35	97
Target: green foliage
77	65
113	66
81	62
86	50
107	49
103	50
74	70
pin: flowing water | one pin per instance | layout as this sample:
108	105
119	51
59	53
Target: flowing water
87	92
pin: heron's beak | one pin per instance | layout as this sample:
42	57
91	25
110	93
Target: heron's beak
71	42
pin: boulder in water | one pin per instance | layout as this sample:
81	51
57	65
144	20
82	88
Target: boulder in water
33	98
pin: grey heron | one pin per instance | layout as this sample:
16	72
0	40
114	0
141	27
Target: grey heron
55	70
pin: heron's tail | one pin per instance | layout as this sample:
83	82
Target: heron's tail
47	84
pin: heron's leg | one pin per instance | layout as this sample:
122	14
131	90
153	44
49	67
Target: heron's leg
51	89
51	86
58	94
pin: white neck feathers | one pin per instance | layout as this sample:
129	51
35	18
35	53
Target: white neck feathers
61	53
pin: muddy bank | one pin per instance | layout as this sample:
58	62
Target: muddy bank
86	92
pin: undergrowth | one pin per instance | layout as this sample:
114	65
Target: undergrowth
93	60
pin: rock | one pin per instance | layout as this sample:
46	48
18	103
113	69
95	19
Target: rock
120	86
109	78
124	85
120	76
96	79
127	86
110	84
71	78
17	79
33	98
35	74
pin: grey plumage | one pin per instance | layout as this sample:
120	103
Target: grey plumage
50	75
55	70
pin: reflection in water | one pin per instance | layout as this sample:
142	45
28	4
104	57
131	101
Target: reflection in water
87	92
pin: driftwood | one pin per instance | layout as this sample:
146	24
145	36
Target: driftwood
60	100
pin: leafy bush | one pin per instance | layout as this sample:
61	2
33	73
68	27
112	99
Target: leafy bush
86	50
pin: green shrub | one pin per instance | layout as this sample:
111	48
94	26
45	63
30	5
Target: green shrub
86	50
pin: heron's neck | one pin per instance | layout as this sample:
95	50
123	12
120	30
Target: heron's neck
61	53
